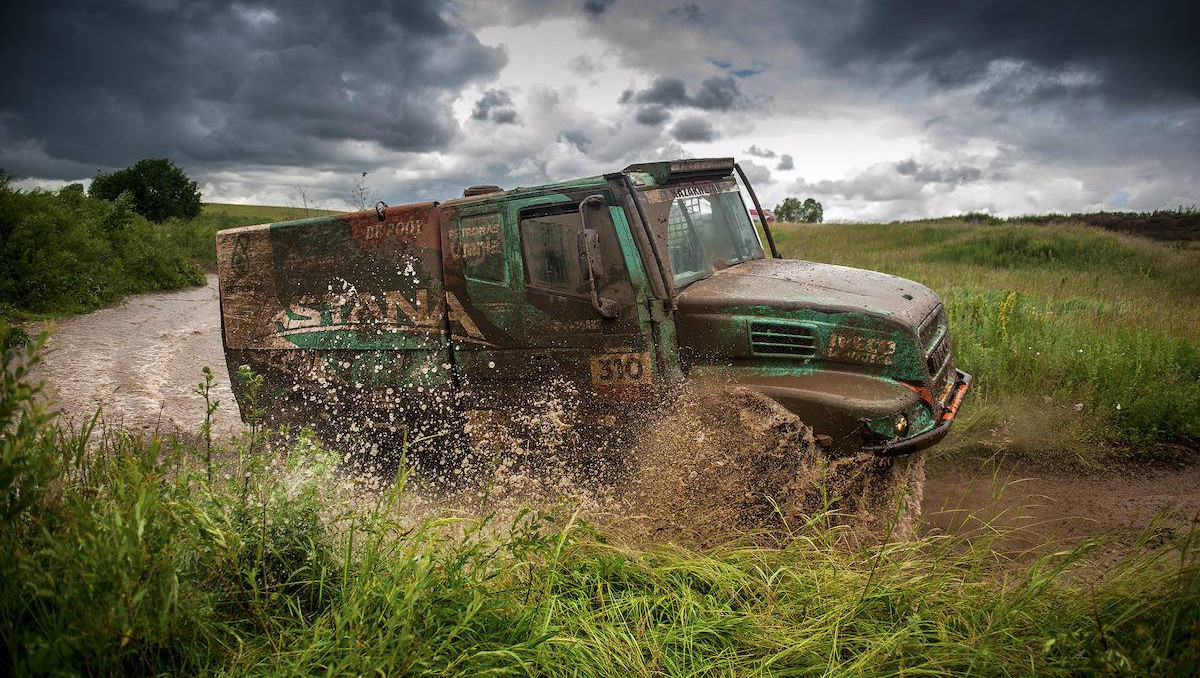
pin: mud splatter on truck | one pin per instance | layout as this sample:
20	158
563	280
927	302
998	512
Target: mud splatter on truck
399	320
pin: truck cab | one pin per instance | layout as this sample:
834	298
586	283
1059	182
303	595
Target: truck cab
614	287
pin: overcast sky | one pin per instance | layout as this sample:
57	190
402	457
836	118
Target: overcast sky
881	110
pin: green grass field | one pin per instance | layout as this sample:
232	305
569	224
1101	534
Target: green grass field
1084	344
261	214
127	555
123	555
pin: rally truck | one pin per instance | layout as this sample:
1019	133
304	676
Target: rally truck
615	287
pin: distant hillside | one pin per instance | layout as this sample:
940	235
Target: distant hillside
1177	224
262	213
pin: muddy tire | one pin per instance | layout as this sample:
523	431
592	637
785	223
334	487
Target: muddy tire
724	462
878	497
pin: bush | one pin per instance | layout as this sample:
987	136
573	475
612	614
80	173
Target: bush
158	189
65	252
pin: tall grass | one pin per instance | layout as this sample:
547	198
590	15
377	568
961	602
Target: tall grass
1081	341
119	557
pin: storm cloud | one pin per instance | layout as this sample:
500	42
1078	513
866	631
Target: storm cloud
759	152
887	109
927	174
652	116
713	94
495	105
1124	52
97	85
693	129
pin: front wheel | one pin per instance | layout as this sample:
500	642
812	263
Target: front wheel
721	462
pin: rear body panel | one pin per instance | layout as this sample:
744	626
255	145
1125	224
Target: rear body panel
343	315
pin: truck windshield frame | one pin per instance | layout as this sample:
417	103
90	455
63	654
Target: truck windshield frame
706	228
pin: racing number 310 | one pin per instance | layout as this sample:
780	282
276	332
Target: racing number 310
621	368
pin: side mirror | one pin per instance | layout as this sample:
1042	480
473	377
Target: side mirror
592	207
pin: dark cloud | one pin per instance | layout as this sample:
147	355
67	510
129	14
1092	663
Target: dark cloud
896	181
717	94
713	94
103	84
693	129
595	8
759	152
1123	51
785	162
495	105
585	65
652	116
577	138
930	174
759	175
664	91
688	12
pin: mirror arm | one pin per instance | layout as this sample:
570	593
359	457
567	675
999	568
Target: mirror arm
762	216
607	308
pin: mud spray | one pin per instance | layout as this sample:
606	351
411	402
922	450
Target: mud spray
713	464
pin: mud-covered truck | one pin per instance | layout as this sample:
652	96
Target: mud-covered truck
614	287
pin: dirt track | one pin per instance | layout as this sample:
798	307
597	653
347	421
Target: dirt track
139	361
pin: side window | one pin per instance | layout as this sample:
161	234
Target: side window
551	245
479	243
682	240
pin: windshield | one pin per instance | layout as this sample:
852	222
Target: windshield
707	228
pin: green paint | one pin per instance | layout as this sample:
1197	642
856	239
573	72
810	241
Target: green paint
653	321
904	362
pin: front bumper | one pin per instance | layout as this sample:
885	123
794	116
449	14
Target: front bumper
962	382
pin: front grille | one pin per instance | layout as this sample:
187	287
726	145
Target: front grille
782	339
936	359
934	324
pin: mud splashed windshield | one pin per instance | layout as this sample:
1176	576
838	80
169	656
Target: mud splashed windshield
706	227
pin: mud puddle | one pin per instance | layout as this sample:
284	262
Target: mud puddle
137	362
1027	513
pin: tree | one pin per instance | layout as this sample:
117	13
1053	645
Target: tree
808	212
811	212
158	188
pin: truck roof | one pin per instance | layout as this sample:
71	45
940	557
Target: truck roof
643	174
531	191
652	173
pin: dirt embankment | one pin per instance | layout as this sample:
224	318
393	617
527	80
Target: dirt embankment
710	461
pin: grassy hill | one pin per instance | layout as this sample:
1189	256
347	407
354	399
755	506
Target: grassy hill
261	214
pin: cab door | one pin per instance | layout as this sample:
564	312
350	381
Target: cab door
596	344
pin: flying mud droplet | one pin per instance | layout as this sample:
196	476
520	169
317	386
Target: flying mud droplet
714	464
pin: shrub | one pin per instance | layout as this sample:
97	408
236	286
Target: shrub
65	252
